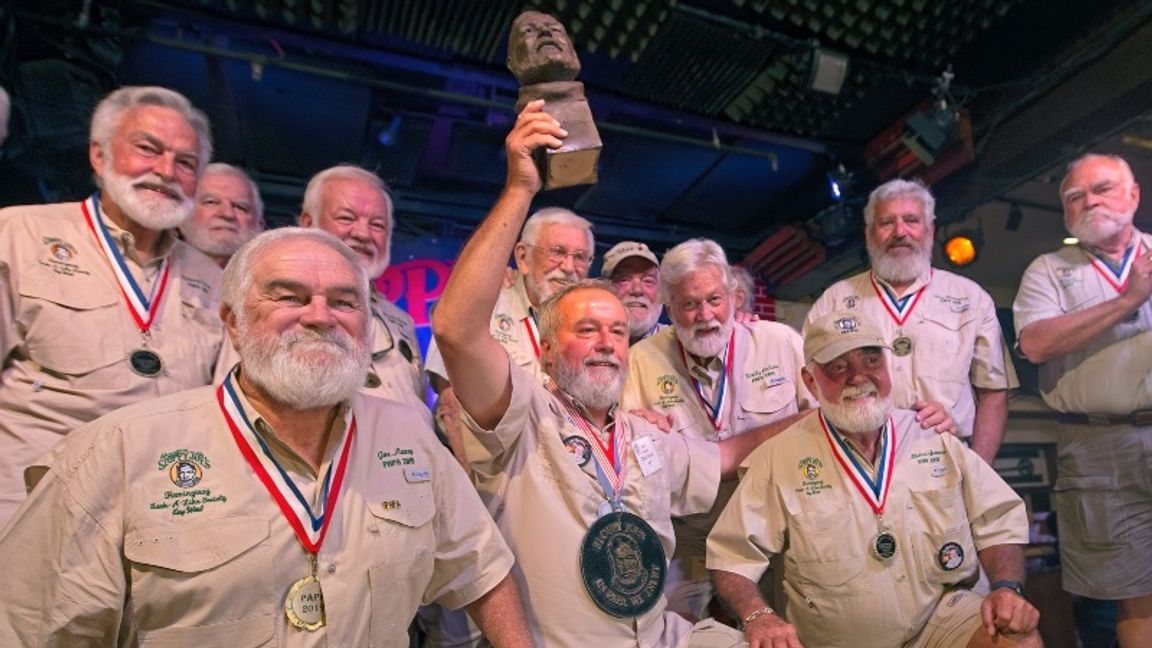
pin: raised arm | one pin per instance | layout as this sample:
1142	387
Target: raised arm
477	365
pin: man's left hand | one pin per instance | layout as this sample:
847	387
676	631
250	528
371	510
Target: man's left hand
934	416
1006	612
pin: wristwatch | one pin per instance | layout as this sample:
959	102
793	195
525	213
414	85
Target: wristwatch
1015	586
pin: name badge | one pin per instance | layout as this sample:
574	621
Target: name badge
414	475
646	455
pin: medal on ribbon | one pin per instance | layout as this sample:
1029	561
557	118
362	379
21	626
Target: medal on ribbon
899	309
873	487
622	561
715	409
143	308
304	604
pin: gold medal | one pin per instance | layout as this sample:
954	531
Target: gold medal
304	605
902	345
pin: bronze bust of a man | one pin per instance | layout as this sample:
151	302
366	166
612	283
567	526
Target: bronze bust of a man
541	57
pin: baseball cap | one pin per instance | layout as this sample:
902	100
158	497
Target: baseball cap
837	333
623	250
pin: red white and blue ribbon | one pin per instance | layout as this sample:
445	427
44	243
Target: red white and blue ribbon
715	409
610	465
1115	275
899	308
143	308
310	526
533	334
874	487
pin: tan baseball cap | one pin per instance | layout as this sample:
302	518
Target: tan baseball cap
837	333
623	250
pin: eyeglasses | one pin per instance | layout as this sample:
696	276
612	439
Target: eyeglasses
557	254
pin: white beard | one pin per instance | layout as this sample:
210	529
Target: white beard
897	269
544	289
709	345
860	410
145	207
304	369
639	327
594	387
1099	225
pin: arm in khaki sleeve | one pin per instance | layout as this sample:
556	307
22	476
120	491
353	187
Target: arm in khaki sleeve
991	416
476	363
735	449
501	617
1062	334
767	629
68	586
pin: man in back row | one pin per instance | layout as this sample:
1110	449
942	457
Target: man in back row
100	304
229	212
946	339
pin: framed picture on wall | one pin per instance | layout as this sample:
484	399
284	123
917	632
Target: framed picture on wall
1027	466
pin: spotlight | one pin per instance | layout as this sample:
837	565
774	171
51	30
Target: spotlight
828	71
963	246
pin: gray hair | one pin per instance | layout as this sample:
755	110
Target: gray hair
1074	164
111	109
746	281
555	216
314	192
688	257
237	280
900	188
549	311
220	168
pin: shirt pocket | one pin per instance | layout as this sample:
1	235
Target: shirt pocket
53	310
406	544
947	339
767	403
947	557
195	570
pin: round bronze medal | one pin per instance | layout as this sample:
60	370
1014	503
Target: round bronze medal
145	362
884	546
623	565
902	345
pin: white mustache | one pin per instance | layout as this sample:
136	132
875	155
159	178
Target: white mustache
602	359
155	182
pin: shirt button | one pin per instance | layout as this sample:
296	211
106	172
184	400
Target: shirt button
331	568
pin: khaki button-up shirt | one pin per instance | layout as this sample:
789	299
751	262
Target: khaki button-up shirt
795	495
121	537
544	502
66	333
956	340
1111	373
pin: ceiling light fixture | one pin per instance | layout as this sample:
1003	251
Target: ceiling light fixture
828	70
962	246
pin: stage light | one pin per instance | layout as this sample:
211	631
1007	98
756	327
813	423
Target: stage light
828	71
962	245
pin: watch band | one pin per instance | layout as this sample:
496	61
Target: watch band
1015	586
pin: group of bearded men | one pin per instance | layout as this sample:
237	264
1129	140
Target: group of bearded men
213	435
